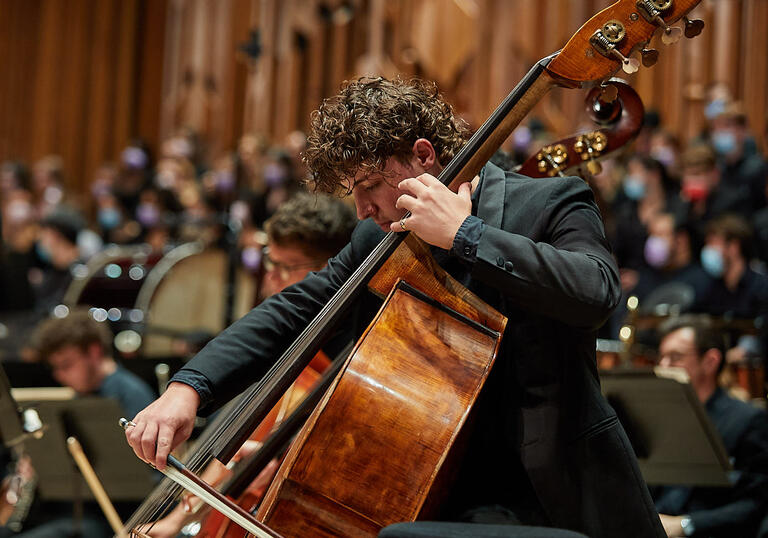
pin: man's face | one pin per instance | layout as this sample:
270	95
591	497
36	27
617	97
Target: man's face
287	265
678	349
375	194
73	367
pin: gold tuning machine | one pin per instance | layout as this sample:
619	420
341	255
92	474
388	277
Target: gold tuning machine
551	159
594	167
652	10
590	146
693	27
607	39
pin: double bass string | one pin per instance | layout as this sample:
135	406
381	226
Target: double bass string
290	364
160	499
259	396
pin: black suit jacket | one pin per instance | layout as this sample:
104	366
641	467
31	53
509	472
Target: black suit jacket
542	260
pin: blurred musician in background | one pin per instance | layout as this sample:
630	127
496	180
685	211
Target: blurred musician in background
302	235
78	350
690	343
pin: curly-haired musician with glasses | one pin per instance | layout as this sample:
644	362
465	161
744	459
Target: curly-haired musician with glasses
546	449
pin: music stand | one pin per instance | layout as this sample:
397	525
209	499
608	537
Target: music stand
674	440
93	421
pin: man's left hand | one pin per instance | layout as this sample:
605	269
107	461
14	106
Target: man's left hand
436	212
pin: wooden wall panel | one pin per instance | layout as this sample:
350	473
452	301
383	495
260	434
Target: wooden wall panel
507	36
80	78
755	73
70	81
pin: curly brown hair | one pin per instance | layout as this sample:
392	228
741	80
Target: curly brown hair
373	119
77	329
318	224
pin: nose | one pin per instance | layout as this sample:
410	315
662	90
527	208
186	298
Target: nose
363	204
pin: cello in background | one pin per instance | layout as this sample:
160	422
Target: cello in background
358	498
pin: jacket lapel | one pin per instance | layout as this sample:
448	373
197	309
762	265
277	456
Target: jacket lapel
492	189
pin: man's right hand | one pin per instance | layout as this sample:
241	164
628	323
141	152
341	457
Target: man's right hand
164	424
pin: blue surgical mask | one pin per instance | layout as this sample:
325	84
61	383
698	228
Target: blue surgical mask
714	108
634	187
109	218
724	142
712	261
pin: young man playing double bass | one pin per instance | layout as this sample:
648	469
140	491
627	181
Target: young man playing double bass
546	449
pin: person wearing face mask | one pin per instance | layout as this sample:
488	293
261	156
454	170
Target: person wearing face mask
58	252
646	192
665	148
703	193
743	171
737	290
668	254
700	178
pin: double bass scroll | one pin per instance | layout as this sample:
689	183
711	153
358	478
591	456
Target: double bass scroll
619	121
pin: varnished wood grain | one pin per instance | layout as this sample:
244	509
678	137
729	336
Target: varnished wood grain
369	454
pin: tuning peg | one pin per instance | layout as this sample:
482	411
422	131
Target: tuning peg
594	167
650	57
693	27
672	34
629	65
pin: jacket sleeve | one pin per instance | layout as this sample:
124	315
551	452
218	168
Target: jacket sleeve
564	268
246	350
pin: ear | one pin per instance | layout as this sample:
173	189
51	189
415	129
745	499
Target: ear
733	248
711	361
425	153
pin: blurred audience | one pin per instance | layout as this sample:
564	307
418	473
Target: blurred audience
647	191
669	257
58	252
737	290
742	170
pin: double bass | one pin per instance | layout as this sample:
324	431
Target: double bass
618	121
366	492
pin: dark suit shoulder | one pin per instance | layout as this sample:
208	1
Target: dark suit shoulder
733	417
549	188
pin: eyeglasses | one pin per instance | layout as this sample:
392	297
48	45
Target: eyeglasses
283	270
676	357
